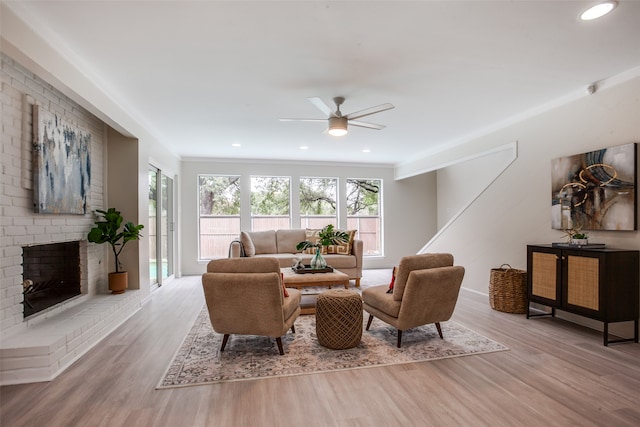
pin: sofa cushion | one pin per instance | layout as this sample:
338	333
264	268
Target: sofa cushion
247	244
378	298
343	248
244	265
286	240
264	241
291	303
313	236
339	261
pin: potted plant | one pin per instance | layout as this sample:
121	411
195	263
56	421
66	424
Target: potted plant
579	239
576	237
327	236
107	230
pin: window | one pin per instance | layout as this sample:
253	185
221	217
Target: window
219	219
318	202
270	203
364	213
270	208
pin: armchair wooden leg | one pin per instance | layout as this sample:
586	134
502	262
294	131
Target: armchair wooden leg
399	338
439	330
224	342
357	283
279	341
369	321
293	328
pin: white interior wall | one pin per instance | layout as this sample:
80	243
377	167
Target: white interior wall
462	182
409	208
516	209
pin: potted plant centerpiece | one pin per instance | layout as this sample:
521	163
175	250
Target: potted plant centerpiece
580	239
107	230
327	236
576	237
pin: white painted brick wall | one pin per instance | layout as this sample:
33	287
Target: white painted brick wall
20	226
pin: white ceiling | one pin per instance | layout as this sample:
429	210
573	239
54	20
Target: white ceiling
201	75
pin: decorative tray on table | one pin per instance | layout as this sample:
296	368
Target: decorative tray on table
307	269
577	246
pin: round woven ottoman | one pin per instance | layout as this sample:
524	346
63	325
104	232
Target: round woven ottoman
339	319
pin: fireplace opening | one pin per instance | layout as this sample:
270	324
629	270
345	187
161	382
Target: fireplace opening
50	275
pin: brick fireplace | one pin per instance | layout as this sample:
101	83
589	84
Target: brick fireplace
40	345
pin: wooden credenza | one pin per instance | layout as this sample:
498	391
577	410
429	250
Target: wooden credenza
600	284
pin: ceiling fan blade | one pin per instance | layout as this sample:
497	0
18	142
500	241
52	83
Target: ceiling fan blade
366	125
369	111
322	106
303	120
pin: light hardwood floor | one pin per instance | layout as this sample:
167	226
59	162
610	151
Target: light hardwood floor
555	374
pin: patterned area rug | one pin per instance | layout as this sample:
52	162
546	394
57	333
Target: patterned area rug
199	360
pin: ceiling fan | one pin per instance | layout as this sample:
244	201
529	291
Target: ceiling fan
337	121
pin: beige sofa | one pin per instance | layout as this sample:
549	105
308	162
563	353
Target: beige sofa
281	244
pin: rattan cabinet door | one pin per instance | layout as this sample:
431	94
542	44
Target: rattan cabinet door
544	276
583	282
545	279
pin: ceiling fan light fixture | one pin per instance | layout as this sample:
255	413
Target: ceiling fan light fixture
598	10
337	126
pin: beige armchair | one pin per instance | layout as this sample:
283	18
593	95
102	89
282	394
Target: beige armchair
246	296
425	291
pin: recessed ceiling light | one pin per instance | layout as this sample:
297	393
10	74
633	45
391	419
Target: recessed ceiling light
366	150
304	147
598	10
236	145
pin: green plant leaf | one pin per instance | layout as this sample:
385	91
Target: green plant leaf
306	245
107	230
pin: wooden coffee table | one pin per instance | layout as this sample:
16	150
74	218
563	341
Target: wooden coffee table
299	281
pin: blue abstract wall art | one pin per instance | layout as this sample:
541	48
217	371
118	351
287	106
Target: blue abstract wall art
62	164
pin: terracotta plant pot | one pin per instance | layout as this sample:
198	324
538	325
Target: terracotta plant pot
118	282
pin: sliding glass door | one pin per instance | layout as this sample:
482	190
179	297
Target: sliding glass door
160	226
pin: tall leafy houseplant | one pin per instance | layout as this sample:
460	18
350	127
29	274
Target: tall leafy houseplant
108	230
327	236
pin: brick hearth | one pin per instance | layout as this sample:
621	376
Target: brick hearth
55	339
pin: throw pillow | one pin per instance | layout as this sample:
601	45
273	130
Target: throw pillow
284	288
393	281
343	248
247	244
313	236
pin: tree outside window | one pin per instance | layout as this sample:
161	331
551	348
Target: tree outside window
219	214
318	202
364	213
270	203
